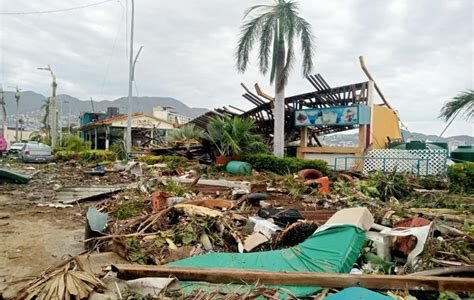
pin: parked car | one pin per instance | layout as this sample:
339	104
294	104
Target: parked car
36	152
16	148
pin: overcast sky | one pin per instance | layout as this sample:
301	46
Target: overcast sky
419	51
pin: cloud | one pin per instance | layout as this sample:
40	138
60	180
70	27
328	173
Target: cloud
420	52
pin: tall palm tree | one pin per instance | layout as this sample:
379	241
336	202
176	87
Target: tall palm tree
275	28
4	112
462	104
17	100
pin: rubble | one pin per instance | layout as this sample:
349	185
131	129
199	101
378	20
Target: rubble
146	217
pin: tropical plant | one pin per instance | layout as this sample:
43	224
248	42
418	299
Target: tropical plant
21	122
75	143
119	148
275	28
186	135
233	136
462	104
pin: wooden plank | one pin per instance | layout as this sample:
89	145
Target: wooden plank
429	283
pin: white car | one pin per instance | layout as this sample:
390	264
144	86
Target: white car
36	152
16	148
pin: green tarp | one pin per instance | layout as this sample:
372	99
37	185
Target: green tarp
333	250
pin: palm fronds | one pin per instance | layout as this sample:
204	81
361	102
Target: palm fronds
275	28
462	104
70	280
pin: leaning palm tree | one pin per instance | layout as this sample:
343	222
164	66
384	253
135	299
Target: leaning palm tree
275	27
462	104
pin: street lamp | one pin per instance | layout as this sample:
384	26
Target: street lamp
53	107
131	73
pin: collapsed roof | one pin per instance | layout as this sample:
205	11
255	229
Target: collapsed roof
323	96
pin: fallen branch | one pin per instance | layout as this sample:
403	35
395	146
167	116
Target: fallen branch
298	278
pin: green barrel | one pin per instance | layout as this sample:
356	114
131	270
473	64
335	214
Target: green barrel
463	153
238	168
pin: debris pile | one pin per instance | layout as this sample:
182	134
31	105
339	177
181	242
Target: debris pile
383	228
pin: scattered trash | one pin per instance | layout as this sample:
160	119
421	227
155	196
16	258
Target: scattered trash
310	174
55	205
406	244
282	217
264	227
9	176
254	240
238	168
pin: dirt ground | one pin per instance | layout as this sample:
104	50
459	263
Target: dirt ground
34	238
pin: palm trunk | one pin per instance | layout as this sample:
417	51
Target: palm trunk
279	119
16	121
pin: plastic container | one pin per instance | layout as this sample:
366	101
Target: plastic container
239	168
463	153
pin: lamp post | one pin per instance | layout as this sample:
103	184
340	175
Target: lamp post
131	72
53	111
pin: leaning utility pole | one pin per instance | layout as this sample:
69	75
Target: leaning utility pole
131	72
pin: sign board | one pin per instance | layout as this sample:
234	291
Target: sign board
333	116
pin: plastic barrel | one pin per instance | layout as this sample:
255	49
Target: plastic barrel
239	168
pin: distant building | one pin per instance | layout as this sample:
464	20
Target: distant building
166	113
146	130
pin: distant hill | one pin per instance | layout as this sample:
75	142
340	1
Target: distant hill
31	102
342	139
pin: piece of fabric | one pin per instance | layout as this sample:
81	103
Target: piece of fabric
334	250
357	293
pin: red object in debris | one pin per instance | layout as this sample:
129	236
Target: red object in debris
310	174
346	177
158	200
322	182
405	244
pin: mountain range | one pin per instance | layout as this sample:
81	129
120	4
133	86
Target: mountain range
31	102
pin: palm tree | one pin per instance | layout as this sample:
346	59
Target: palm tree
4	113
462	104
17	100
21	122
45	106
186	135
275	28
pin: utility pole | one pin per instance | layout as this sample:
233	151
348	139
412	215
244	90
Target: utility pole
60	122
53	110
131	72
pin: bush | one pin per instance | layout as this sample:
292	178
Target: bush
284	165
461	177
66	155
119	148
173	162
97	156
74	143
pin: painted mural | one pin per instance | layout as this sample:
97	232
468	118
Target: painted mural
332	116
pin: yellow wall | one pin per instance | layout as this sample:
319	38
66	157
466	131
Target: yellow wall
384	124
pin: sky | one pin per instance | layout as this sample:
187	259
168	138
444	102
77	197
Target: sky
420	52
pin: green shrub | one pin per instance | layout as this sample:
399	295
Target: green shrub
284	165
74	143
97	156
461	177
66	155
119	148
173	162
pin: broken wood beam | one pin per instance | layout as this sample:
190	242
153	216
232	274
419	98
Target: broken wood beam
330	280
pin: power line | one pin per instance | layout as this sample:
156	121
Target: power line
54	11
